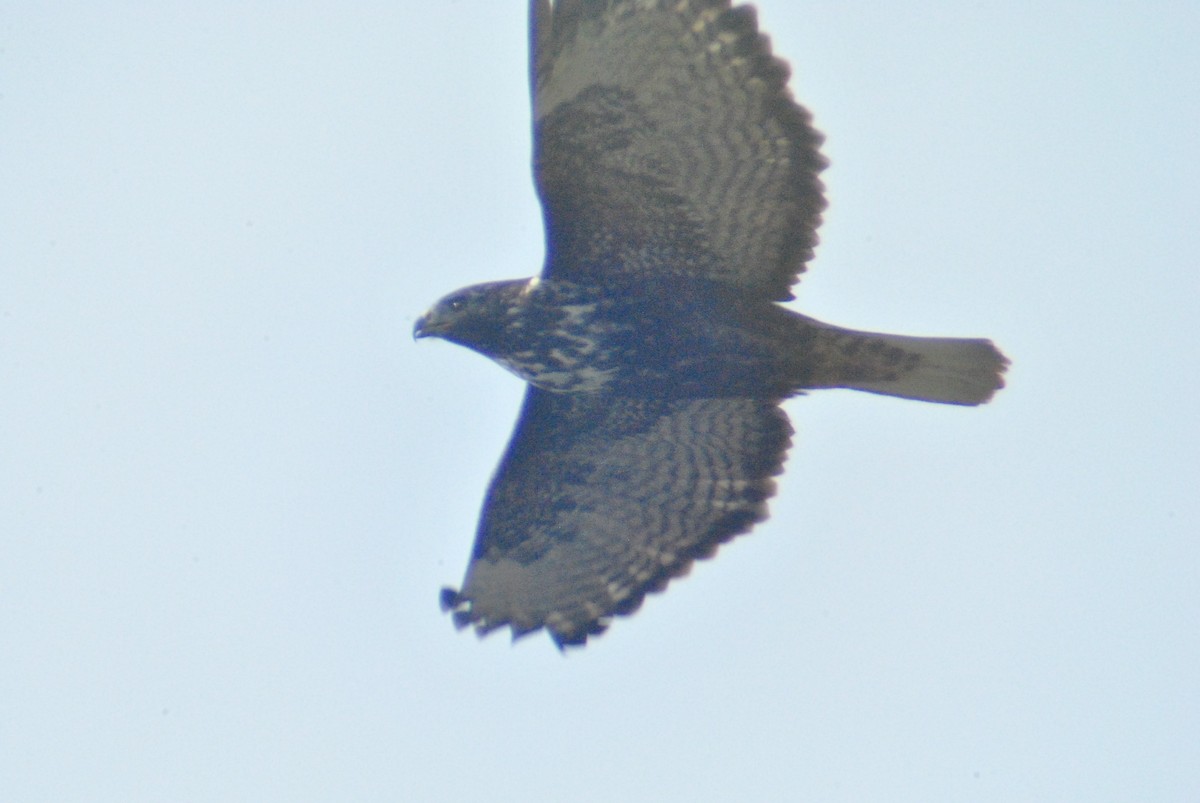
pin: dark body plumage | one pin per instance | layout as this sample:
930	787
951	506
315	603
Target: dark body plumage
681	198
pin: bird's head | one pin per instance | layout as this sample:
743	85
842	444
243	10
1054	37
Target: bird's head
478	317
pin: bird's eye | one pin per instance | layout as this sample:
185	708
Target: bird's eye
457	304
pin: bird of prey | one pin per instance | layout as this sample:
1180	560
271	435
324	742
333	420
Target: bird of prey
680	191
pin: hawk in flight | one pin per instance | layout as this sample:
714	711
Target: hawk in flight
679	185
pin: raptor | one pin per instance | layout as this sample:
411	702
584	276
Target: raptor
680	191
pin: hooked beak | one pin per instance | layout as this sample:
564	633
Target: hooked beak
419	327
428	325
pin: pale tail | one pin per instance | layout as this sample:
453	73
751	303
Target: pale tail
938	369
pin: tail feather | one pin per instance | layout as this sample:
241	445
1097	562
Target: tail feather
948	370
937	369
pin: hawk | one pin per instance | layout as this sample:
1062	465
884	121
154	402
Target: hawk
680	191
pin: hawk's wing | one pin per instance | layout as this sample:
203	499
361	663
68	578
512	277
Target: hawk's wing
666	141
600	500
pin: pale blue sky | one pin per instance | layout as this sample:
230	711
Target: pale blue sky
231	485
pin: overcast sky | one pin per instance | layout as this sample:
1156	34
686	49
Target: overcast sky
231	485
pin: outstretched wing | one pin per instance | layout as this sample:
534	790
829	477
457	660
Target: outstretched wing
600	500
667	143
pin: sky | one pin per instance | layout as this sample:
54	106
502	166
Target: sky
231	484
